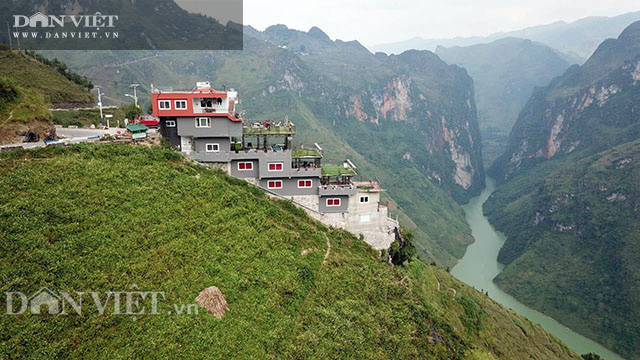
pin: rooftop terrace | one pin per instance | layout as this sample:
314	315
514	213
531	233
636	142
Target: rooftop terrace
271	129
372	186
305	153
337	170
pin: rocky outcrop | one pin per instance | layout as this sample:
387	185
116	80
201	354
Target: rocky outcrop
569	114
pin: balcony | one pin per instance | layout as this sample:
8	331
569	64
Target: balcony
336	189
219	110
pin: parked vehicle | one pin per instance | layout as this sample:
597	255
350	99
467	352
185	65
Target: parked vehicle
147	120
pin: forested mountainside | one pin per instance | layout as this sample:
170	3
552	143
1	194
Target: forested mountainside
505	73
114	216
575	40
568	199
409	120
27	89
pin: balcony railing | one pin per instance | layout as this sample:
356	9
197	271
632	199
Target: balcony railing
269	128
336	189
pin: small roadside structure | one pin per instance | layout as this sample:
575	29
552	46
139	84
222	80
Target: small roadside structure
137	131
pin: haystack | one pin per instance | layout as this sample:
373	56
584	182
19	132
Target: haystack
213	300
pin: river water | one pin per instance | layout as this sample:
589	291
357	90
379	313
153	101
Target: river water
480	265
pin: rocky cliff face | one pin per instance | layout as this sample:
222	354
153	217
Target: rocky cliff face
587	108
505	73
414	93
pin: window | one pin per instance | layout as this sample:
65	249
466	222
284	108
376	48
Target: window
275	166
213	147
304	184
333	202
164	105
274	184
364	199
203	122
245	166
171	123
181	104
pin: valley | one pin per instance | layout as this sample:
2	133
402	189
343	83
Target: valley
553	113
480	266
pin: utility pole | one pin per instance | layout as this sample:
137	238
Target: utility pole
135	93
100	106
9	33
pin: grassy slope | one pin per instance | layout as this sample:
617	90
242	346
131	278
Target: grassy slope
30	74
107	217
39	86
594	265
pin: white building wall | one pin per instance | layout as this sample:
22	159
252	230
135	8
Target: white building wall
377	231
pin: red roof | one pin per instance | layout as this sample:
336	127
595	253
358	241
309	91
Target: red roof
189	96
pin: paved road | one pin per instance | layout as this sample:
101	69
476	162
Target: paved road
72	134
65	133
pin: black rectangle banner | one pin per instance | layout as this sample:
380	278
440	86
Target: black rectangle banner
122	24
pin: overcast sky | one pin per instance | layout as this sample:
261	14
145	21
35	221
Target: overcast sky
376	21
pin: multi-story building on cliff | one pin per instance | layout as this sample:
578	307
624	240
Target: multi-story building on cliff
203	124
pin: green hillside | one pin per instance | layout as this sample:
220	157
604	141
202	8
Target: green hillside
578	235
29	89
106	217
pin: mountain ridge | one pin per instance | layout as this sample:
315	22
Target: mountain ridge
505	73
577	39
567	189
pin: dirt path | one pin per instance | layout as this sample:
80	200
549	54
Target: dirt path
324	261
328	252
448	288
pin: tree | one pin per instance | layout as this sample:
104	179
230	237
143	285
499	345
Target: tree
402	249
591	356
8	92
131	111
149	109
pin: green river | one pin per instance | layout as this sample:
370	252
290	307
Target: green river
479	266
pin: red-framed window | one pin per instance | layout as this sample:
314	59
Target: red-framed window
277	166
333	202
304	184
274	184
245	166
